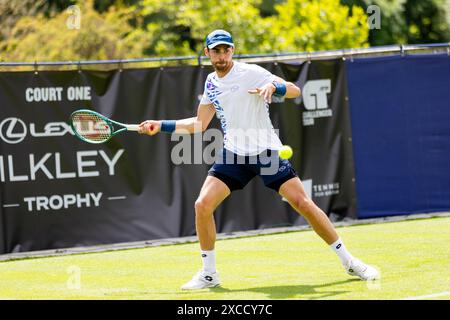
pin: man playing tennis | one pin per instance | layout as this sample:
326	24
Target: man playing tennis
239	94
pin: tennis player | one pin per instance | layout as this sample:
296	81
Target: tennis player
239	94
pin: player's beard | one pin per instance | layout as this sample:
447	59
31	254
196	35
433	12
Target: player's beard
222	66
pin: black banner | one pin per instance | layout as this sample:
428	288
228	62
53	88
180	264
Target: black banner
57	191
317	126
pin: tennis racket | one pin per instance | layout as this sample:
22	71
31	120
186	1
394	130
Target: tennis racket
93	127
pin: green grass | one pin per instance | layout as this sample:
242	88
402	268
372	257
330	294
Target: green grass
412	256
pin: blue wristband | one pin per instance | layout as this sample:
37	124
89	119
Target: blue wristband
168	126
280	89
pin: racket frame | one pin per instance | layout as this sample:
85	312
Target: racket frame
111	123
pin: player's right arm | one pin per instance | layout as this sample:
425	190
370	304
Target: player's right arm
205	113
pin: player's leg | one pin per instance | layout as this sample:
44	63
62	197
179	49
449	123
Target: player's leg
292	190
282	178
285	181
212	193
225	176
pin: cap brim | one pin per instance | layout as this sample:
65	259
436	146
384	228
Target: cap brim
215	44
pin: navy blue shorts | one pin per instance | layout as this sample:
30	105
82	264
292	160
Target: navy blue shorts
236	171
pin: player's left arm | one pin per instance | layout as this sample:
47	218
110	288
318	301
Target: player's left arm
292	91
269	89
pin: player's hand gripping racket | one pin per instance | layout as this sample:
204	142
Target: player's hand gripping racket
93	127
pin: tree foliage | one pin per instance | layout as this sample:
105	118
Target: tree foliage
119	29
100	36
317	25
409	21
180	27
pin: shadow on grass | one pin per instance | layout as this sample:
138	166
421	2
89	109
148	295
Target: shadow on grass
273	292
291	291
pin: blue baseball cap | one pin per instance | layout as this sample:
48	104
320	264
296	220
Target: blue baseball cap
219	37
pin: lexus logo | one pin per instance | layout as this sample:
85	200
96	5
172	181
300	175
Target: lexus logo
13	130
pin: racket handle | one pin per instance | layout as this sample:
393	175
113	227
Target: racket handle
132	127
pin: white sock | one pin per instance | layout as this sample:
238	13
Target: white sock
209	261
339	247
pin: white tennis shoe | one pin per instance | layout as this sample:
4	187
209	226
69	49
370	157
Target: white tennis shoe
357	268
202	280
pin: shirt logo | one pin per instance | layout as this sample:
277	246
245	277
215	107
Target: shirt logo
210	85
212	93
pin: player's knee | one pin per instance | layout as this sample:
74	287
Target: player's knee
304	205
203	207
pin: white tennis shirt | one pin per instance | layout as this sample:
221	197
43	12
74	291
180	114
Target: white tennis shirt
244	117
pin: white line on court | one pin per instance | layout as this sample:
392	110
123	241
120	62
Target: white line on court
434	295
117	198
11	205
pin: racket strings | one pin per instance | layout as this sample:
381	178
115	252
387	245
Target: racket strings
91	127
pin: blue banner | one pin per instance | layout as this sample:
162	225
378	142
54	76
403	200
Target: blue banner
400	115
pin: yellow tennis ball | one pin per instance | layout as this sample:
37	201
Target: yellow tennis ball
285	152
